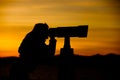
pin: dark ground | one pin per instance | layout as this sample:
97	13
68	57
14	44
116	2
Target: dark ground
96	67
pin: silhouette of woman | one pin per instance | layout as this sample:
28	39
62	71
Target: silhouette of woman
33	51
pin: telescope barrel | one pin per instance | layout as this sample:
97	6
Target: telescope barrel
70	31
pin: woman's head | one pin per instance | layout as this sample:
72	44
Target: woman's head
41	29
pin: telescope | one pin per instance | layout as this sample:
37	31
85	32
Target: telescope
67	32
70	31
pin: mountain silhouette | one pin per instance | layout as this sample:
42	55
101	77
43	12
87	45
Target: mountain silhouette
97	67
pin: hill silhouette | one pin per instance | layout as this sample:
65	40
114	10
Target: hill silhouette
97	59
97	67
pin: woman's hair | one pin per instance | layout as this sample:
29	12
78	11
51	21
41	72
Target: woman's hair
40	27
40	30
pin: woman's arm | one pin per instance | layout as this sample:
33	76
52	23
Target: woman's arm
52	46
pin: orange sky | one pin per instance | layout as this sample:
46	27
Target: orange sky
17	18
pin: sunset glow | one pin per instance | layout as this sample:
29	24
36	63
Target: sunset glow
18	17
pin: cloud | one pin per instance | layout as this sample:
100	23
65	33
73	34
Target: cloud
6	2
